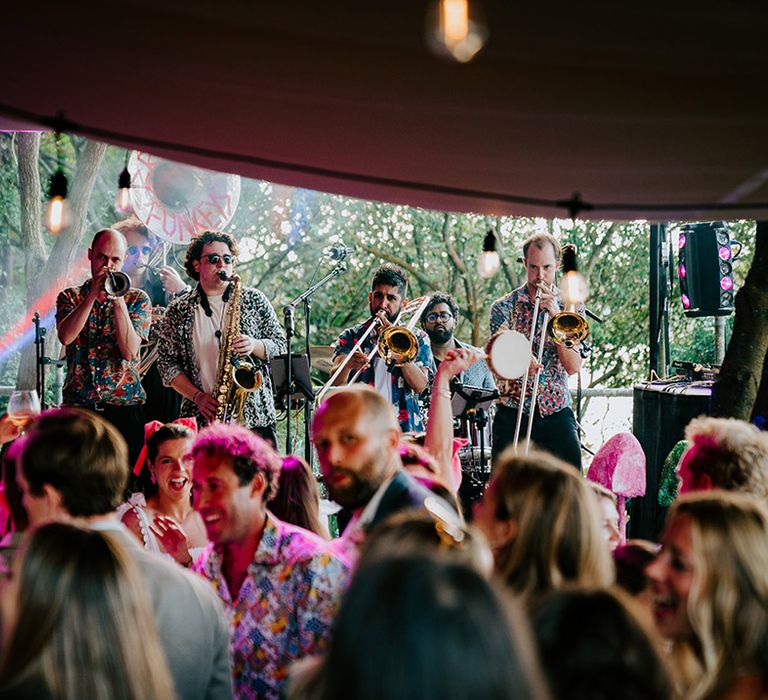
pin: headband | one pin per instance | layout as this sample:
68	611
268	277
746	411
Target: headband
150	428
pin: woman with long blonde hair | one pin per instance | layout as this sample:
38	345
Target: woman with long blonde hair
710	586
77	624
543	526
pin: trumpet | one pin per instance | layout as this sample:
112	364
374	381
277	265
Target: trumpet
117	283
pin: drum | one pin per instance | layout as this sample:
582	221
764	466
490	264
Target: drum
476	473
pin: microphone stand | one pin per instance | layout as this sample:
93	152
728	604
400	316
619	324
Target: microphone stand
288	311
41	360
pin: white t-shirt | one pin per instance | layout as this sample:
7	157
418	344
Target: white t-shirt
382	378
207	342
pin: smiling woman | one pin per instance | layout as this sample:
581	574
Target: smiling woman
710	585
160	514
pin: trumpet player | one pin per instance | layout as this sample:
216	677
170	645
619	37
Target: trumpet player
554	425
400	385
102	325
194	333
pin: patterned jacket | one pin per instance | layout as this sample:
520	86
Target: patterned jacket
96	371
177	351
284	609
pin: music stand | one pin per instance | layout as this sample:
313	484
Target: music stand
301	380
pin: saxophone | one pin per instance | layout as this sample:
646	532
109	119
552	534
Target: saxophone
236	377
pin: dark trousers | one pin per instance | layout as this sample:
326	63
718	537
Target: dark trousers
556	433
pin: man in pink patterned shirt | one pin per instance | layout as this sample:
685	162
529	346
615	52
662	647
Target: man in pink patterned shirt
280	584
554	425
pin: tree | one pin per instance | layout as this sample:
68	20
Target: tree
42	268
741	375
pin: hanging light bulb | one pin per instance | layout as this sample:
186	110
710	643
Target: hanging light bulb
456	32
57	214
573	286
488	261
123	196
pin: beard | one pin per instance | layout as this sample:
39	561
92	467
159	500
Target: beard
440	336
354	494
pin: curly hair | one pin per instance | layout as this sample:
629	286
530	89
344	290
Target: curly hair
195	249
250	454
440	298
731	452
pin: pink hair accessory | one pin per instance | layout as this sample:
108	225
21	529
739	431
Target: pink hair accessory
619	465
150	428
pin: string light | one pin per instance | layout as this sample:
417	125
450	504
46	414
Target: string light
57	215
454	31
488	261
573	286
123	196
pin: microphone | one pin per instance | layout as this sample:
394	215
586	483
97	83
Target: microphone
339	252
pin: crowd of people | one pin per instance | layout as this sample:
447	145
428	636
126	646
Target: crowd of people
198	562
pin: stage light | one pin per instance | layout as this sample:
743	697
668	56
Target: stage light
488	261
705	269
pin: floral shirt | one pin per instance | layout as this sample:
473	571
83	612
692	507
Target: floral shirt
404	399
515	312
284	609
177	351
96	370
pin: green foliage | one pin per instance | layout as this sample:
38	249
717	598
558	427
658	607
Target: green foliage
284	233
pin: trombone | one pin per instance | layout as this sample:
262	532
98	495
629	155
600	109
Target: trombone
396	344
509	352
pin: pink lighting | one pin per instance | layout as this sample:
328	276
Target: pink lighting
686	302
725	253
682	272
726	284
681	241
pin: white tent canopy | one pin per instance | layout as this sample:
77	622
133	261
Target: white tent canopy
631	104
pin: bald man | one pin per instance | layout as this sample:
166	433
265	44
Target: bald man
102	334
357	438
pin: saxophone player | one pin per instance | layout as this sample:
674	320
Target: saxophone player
195	330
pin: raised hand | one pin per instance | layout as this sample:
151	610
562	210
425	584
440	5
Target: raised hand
172	538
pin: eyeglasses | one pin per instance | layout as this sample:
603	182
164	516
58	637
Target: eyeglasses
214	258
134	249
443	316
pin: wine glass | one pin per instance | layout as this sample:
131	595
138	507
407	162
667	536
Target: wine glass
23	406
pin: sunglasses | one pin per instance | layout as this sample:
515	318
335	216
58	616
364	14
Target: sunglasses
214	258
442	316
133	250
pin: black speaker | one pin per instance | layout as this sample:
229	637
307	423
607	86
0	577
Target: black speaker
705	269
660	413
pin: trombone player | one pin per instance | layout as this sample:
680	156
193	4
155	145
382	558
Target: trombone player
102	325
400	385
554	425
